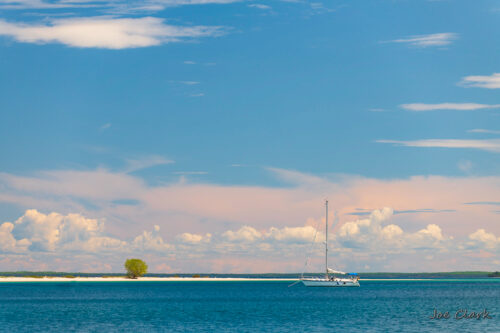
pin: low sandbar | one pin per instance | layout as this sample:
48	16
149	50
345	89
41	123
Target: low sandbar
124	279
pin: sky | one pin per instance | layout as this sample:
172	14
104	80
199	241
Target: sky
205	135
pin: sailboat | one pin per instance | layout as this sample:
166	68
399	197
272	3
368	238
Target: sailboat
332	278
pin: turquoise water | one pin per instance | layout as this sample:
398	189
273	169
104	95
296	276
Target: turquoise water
377	306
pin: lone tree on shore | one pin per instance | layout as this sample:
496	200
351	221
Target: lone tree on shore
135	268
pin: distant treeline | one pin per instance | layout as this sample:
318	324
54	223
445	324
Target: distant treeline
438	275
381	275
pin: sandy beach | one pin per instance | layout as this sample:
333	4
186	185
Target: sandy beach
142	279
169	279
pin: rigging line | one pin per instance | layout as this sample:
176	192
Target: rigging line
308	253
335	222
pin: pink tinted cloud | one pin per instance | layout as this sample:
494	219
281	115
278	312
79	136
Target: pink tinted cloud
205	208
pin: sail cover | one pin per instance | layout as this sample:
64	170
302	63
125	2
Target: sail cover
335	272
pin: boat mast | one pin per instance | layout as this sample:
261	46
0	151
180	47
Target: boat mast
326	241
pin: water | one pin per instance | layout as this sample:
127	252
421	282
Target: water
377	306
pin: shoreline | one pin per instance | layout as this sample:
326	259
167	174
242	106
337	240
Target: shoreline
142	279
199	279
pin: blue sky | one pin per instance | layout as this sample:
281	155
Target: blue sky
262	95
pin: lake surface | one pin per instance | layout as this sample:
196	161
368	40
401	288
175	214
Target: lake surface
377	306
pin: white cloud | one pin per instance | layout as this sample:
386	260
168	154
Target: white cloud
151	241
8	244
39	4
433	231
35	232
189	238
319	8
370	234
118	6
38	232
391	231
295	177
54	237
105	126
304	234
105	32
259	6
487	239
186	173
244	234
193	2
190	83
97	245
439	39
448	106
144	162
364	232
43	231
201	205
99	185
275	239
487	145
144	6
479	81
481	130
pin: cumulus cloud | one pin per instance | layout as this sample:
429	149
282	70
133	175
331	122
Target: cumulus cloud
363	233
38	232
8	244
105	32
482	237
492	145
278	231
489	82
208	207
438	39
244	234
42	231
448	106
304	234
189	238
371	234
49	236
151	241
369	237
375	235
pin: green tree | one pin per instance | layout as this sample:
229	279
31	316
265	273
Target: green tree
135	268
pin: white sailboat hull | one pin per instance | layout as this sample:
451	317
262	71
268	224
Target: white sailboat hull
347	280
319	282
